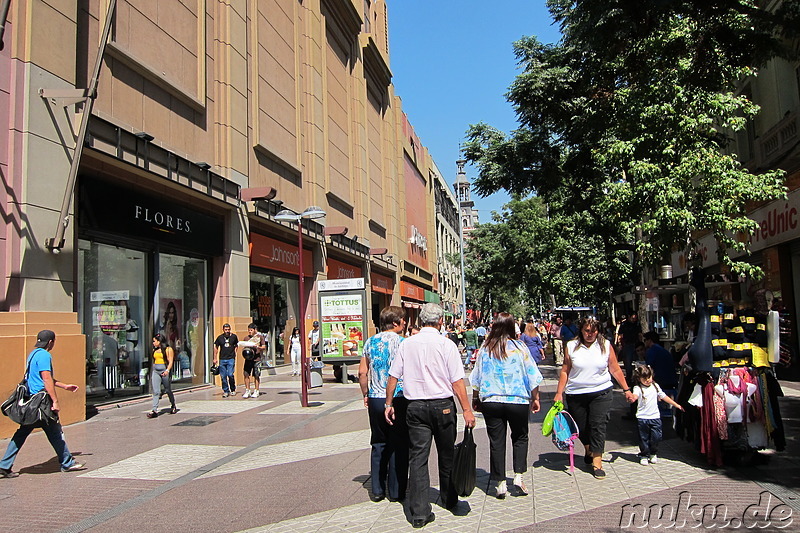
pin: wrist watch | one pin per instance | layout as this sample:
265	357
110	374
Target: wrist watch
387	405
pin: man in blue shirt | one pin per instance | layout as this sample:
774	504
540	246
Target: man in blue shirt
569	330
40	377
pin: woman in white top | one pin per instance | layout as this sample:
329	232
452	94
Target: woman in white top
589	364
294	350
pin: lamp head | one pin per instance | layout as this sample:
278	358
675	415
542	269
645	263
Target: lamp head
313	212
287	215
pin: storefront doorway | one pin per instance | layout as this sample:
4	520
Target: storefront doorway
273	308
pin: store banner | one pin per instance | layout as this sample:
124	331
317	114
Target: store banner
777	222
409	290
381	283
273	254
340	270
121	209
342	315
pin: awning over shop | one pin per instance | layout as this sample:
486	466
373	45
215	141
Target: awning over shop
431	296
411	291
381	283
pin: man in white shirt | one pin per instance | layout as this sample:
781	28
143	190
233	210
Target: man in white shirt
432	373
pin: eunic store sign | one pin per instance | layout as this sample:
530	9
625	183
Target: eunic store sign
116	208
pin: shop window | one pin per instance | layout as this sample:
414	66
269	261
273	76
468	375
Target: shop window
181	317
273	304
112	307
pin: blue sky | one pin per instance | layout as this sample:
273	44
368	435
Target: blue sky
452	63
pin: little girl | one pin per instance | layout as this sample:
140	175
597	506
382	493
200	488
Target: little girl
647	394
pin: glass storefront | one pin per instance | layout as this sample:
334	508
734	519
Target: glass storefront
273	308
125	296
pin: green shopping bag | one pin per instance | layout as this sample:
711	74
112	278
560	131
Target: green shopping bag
547	425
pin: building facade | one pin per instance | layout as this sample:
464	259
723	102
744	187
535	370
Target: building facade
144	172
448	245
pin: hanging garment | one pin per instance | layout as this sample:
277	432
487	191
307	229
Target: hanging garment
774	391
709	436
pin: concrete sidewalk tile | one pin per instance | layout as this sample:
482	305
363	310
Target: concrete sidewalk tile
226	406
164	463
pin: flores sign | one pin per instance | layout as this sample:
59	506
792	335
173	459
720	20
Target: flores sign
121	209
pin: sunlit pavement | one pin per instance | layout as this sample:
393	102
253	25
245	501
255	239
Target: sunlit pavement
268	464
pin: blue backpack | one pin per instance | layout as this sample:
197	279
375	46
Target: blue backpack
565	432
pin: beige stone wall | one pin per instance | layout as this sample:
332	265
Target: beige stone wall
17	337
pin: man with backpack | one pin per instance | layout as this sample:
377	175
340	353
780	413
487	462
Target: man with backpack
40	377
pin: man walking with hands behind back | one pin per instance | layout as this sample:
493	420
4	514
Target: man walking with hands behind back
432	373
40	377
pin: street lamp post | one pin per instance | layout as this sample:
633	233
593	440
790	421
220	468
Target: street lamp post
287	215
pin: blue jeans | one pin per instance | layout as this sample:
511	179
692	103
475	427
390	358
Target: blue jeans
54	434
649	436
226	374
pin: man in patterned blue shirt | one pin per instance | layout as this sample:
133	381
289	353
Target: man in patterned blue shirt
389	460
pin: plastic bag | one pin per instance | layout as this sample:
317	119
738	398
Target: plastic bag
547	424
464	461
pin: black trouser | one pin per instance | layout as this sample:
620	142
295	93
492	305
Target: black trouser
590	412
427	420
498	417
389	458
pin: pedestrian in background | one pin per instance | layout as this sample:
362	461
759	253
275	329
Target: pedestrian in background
558	343
585	379
531	338
389	457
432	374
40	377
253	356
161	373
505	388
225	355
471	344
294	350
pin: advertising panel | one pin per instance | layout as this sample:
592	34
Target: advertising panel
342	315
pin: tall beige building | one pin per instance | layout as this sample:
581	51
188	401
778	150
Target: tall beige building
141	189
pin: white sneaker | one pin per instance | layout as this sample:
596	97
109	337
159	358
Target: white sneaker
233	392
502	489
246	394
643	461
255	393
654	459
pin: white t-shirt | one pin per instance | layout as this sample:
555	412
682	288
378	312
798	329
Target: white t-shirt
647	403
589	372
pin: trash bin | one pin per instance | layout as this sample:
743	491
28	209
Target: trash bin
316	374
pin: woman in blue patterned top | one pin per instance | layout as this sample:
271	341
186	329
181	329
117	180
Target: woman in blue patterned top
389	458
505	387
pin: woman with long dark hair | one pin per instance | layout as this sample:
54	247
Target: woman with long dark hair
505	385
589	364
294	350
163	359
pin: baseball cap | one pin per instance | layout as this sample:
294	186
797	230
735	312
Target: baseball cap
44	337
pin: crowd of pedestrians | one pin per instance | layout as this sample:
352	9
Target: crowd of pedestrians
419	379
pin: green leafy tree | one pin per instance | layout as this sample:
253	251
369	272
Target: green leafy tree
625	126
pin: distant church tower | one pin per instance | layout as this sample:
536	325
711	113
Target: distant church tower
462	186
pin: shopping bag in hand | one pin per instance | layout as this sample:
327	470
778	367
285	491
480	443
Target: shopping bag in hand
547	425
463	476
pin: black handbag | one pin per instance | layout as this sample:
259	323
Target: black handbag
464	462
26	409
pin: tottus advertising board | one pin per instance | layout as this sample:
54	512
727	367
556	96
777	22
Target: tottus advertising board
342	310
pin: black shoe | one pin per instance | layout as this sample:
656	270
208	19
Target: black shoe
599	473
376	497
397	499
152	414
422	522
7	473
173	410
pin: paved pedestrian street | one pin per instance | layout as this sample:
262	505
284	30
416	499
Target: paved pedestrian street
269	465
